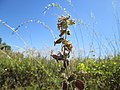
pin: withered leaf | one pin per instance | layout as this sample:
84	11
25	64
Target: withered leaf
66	42
58	41
70	47
61	57
62	32
65	86
79	84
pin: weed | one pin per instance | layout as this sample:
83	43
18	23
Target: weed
70	81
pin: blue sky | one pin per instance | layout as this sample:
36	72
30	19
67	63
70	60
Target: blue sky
15	12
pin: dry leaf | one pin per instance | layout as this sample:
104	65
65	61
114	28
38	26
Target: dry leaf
70	47
79	84
66	42
58	41
65	86
57	57
62	32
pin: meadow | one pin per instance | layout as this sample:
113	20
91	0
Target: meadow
38	73
61	71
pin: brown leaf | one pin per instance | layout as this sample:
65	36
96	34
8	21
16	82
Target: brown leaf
70	47
65	86
62	32
57	57
58	41
66	42
79	84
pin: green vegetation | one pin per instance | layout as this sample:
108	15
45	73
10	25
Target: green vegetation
37	73
42	74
